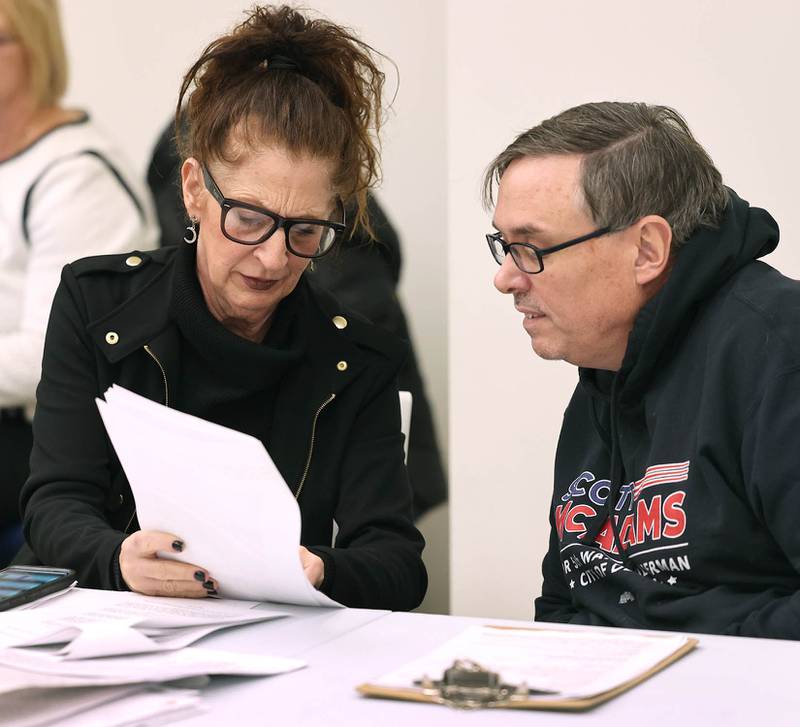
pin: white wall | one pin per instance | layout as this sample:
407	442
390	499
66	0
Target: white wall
731	69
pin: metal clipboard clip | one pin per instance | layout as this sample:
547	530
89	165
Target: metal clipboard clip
468	685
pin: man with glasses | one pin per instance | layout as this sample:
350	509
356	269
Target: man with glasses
676	483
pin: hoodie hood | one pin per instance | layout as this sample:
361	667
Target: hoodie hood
702	265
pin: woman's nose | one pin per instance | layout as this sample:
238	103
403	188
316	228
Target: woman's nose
273	253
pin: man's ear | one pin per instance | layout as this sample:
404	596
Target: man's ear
192	187
654	248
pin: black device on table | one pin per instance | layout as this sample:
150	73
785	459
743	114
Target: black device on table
20	584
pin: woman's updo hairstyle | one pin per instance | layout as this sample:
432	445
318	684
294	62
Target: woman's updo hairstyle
280	77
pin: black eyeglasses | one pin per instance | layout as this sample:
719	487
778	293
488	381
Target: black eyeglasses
248	224
527	257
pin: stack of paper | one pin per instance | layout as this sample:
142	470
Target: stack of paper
29	669
100	706
110	670
96	623
219	491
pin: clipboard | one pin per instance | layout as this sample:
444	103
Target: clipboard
469	685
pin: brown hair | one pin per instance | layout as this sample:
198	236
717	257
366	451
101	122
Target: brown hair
638	160
328	106
36	23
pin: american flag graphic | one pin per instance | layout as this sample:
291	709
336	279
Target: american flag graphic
660	474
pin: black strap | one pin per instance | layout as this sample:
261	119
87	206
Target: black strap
91	152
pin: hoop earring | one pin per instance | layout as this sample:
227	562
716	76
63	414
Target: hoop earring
191	233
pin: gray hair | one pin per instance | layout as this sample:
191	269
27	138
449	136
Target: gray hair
638	160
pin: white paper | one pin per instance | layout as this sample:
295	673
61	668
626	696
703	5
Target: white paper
44	599
34	707
26	669
104	639
104	623
97	706
148	706
219	491
565	663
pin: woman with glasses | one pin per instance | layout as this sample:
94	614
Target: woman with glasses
65	192
280	115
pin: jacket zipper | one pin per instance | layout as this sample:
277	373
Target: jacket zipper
163	373
311	445
150	353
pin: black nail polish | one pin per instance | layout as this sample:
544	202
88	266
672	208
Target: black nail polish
212	592
208	585
177	545
199	575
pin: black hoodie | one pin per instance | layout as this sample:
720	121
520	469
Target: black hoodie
692	443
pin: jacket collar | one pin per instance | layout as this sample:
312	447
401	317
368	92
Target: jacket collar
335	356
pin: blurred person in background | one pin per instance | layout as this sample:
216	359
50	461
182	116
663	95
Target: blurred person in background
65	192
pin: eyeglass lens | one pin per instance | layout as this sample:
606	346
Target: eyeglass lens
249	226
525	258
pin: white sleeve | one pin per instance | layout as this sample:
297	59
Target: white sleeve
78	208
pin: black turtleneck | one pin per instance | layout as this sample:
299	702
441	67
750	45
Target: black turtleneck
225	378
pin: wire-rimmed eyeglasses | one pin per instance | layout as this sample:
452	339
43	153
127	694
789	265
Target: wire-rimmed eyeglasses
248	224
527	257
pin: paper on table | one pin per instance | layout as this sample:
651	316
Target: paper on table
92	604
46	598
101	706
24	669
150	705
219	491
119	637
570	664
33	707
105	623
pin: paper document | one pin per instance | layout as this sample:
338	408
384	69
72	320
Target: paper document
26	669
101	706
97	623
568	664
219	491
146	707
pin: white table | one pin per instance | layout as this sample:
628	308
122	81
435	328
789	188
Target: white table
725	681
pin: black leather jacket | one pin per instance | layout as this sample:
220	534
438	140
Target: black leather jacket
110	323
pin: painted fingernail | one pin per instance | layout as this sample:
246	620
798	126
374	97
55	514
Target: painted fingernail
177	545
212	592
208	585
199	575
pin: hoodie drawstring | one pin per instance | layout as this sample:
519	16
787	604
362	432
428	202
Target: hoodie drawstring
617	475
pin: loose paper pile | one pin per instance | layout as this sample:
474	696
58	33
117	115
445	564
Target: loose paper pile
219	491
93	623
100	706
50	682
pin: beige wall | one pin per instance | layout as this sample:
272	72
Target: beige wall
731	68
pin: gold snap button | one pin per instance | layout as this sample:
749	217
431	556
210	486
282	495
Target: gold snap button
340	322
133	261
112	337
342	365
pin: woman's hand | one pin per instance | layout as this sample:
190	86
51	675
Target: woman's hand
313	567
145	572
